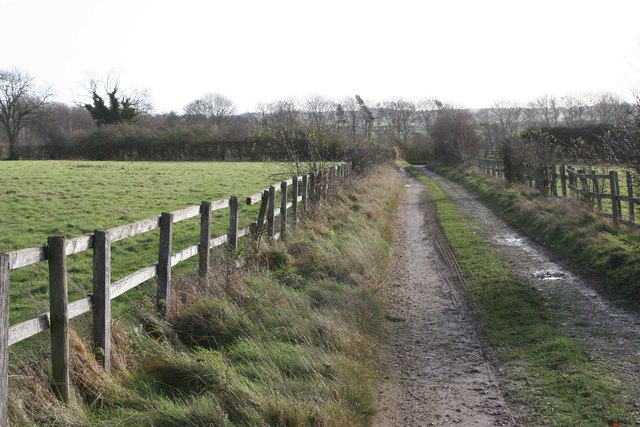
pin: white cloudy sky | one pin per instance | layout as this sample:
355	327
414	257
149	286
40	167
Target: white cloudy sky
471	52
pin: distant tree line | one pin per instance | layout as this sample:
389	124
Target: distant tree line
118	125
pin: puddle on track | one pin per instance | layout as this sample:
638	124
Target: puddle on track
550	275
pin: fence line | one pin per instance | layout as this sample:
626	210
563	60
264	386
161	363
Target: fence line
313	186
588	186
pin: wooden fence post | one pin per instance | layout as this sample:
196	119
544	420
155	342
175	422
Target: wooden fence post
283	208
554	180
4	339
312	187
596	189
205	236
102	298
59	317
163	294
618	201
632	210
563	180
305	191
294	202
257	232
271	212
613	182
233	223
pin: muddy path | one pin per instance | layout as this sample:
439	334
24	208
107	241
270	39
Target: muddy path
439	369
609	334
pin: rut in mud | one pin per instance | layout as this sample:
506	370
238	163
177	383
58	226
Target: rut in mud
439	366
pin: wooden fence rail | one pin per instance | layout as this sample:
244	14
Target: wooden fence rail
59	248
592	187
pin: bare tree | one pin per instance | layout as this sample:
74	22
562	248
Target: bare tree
543	112
399	114
608	108
367	117
574	110
213	107
427	109
350	108
21	104
508	115
319	111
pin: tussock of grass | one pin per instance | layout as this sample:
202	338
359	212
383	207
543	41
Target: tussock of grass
291	341
588	239
559	384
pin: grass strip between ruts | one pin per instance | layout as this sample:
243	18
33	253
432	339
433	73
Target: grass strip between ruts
551	373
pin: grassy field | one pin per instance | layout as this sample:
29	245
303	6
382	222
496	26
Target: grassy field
73	198
556	381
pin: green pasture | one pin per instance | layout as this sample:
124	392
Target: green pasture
73	198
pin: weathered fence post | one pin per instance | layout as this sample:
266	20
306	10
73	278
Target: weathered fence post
59	317
271	212
312	186
554	180
632	209
283	209
305	191
205	236
596	189
4	339
563	180
257	232
163	294
294	202
613	182
233	223
102	298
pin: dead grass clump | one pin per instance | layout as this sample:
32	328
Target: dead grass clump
32	402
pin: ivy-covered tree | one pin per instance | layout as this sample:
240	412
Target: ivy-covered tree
119	109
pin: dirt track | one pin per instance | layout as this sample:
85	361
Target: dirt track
440	368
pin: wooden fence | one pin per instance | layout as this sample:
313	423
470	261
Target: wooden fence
563	181
57	249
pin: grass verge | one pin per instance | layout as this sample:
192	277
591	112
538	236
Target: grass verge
284	338
568	226
551	374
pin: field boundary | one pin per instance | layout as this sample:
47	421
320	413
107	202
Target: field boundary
564	180
304	190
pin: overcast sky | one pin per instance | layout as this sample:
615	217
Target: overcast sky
471	52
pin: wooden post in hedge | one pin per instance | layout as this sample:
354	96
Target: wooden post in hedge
632	209
203	245
59	317
563	180
271	212
163	294
233	223
615	202
102	298
294	200
264	202
596	189
312	186
305	192
283	209
4	339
